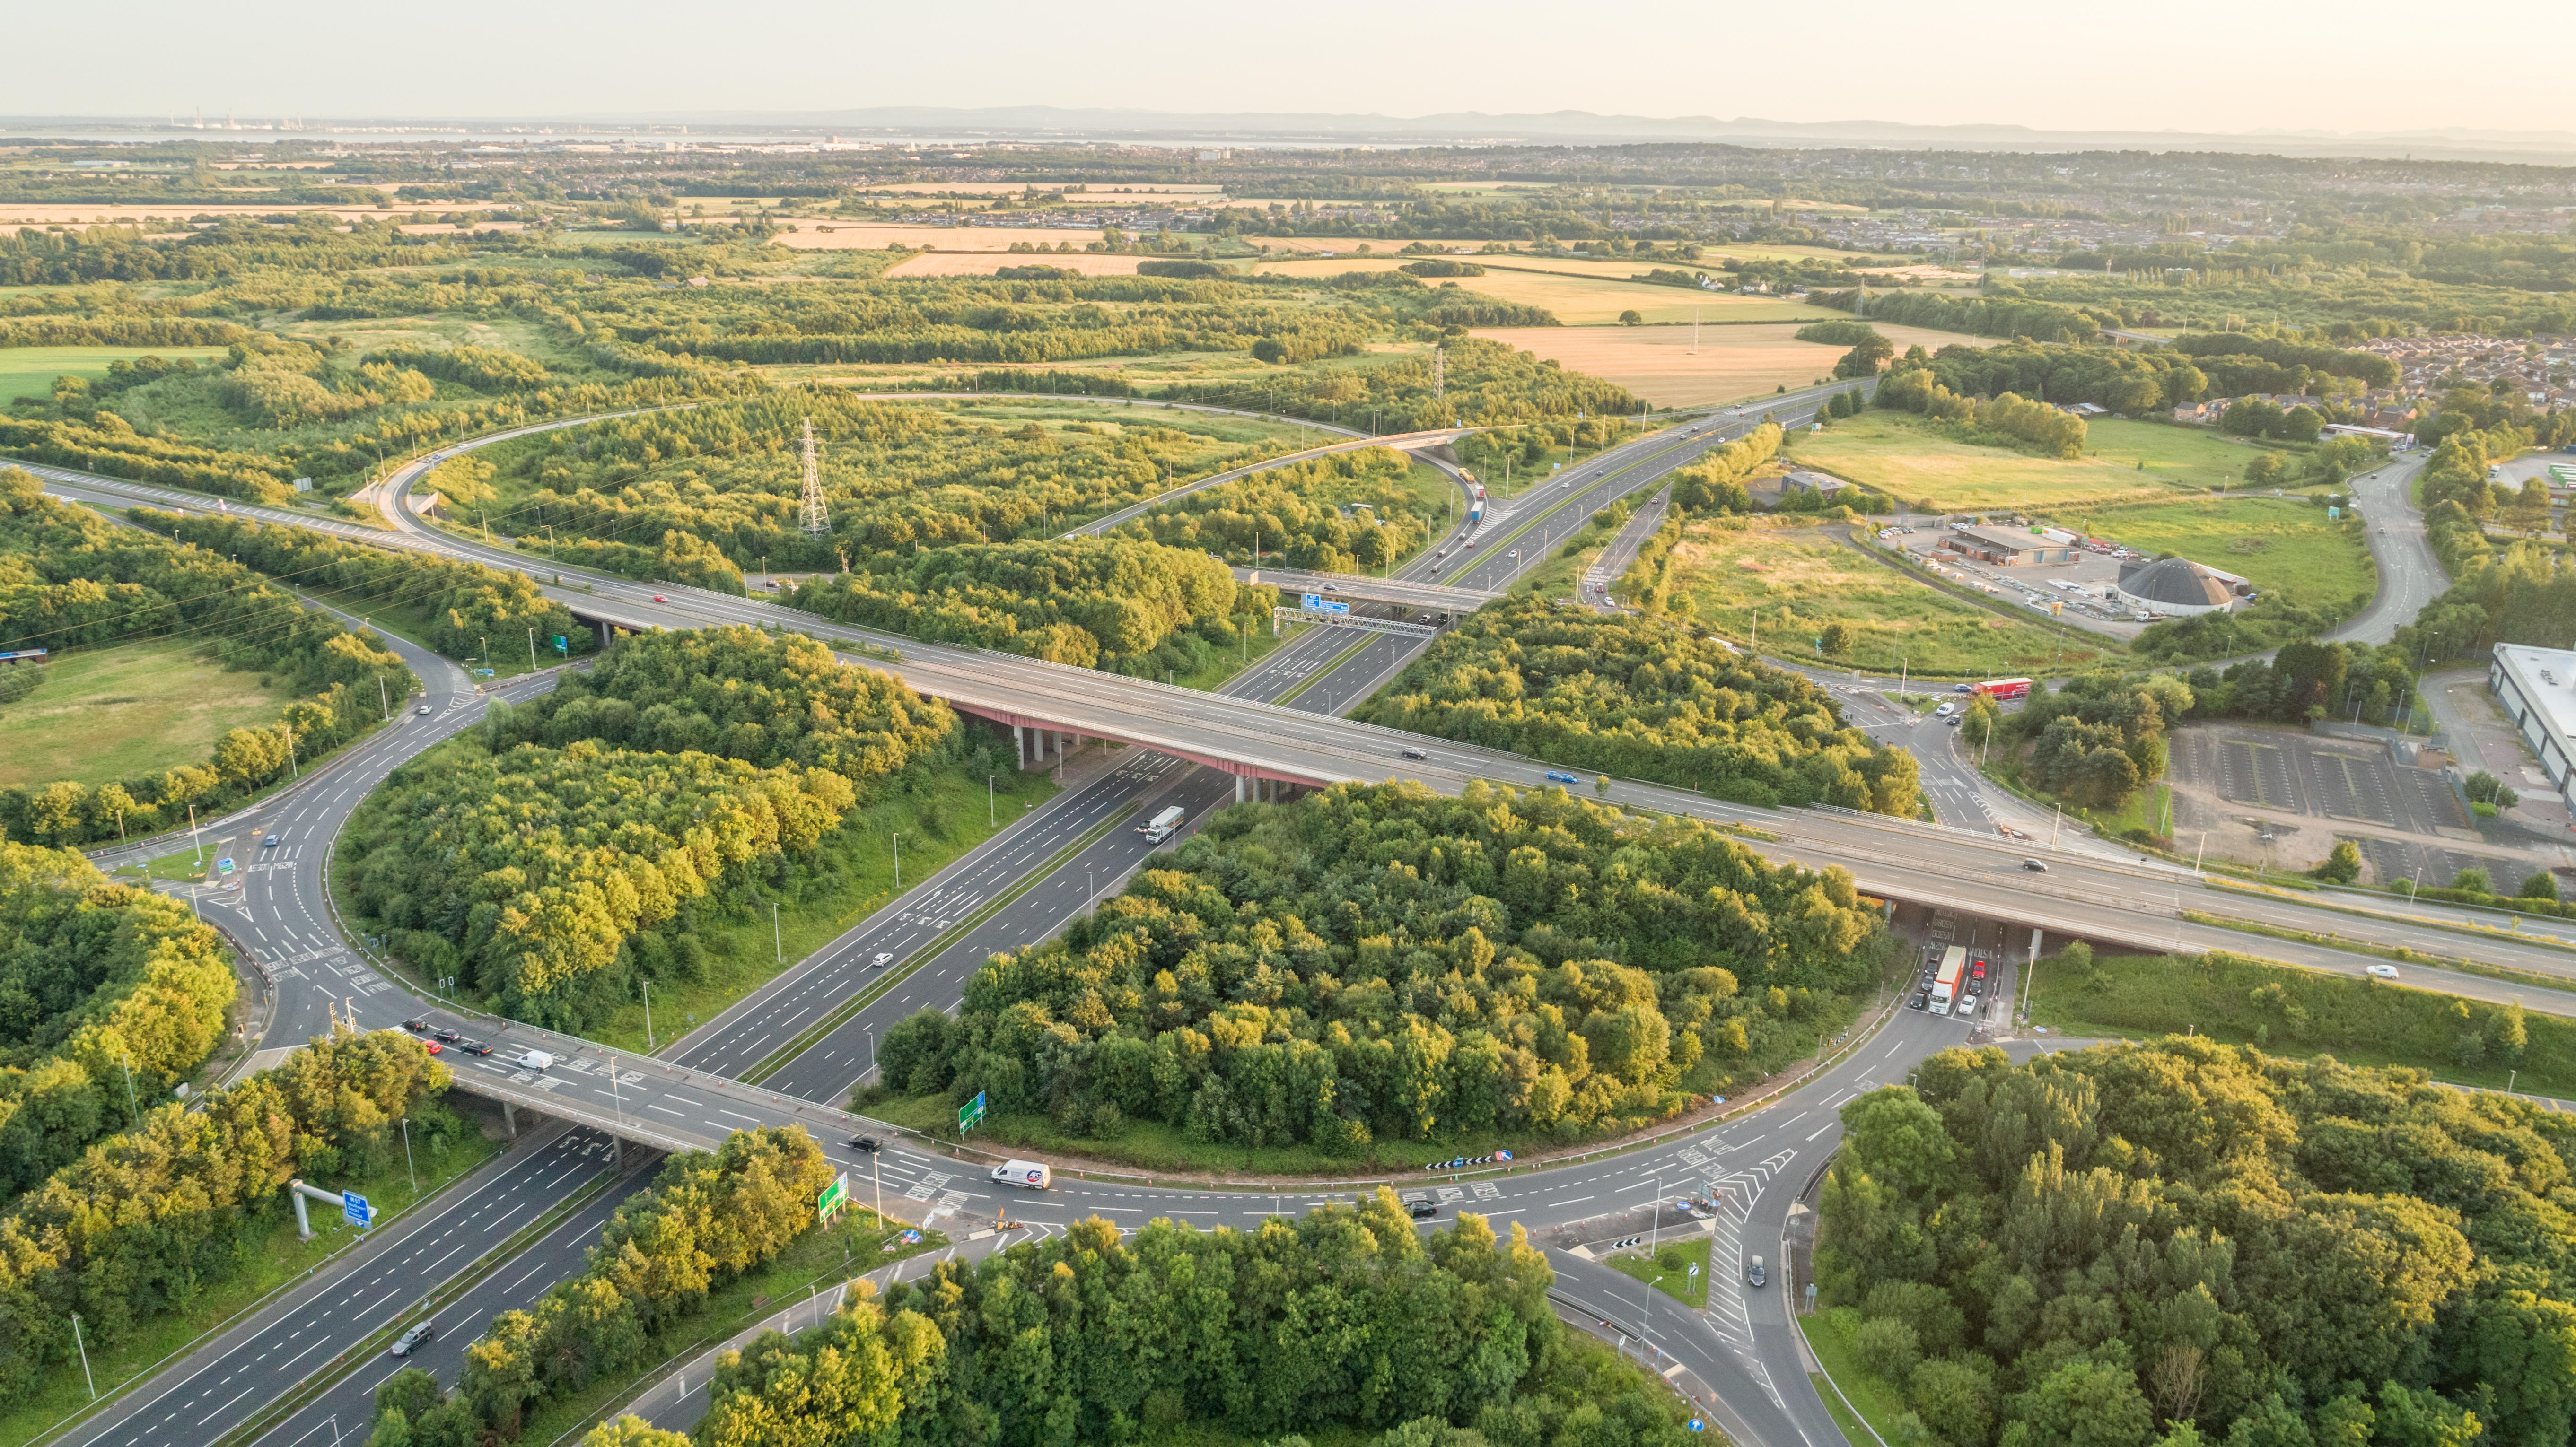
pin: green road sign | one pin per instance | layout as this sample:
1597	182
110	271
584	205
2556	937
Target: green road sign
971	1113
835	1196
563	645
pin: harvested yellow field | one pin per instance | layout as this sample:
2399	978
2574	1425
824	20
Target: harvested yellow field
985	263
1577	299
1731	364
845	236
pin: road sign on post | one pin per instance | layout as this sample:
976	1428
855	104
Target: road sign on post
834	1197
971	1113
563	645
355	1208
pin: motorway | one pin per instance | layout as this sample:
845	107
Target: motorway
670	1101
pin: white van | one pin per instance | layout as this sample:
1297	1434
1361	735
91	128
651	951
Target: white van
1028	1175
535	1060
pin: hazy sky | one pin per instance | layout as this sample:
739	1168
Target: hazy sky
2193	65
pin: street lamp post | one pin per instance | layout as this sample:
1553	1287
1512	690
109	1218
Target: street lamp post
648	997
408	1168
78	1341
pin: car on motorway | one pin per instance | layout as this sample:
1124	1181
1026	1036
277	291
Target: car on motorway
417	1027
269	843
867	1143
2034	866
1754	1275
404	1344
432	1046
2381	972
883	959
1415	754
1332	587
449	1036
1966	1008
1922	1000
658	598
1945	710
1418	1204
1029	1175
1954	721
1977	971
1963	688
473	1047
1560	776
423	710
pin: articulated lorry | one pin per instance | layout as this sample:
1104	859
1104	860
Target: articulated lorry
1163	825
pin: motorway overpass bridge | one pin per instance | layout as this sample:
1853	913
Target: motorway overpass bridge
1359	588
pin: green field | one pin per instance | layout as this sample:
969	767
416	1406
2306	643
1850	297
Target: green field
2359	1022
2276	543
1801	579
30	371
104	714
1919	462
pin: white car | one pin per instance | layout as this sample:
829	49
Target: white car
2381	972
881	962
1943	711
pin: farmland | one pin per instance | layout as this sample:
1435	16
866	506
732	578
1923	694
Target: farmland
105	714
1731	363
1925	464
1580	299
30	371
1799	579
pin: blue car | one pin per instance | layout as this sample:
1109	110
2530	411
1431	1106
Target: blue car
1560	776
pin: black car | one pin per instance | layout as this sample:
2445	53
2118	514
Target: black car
1922	1000
867	1143
417	1027
1418	1205
450	1037
473	1047
1415	754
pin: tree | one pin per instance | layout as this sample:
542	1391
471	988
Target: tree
2264	469
2342	864
2473	880
2082	1404
2539	884
1836	640
1632	318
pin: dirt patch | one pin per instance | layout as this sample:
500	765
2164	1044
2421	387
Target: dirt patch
1730	363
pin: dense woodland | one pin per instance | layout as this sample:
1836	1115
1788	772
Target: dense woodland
1638	698
1379	962
570	848
70	579
145	1222
1349	512
708	1218
1114	603
2184	1242
97	978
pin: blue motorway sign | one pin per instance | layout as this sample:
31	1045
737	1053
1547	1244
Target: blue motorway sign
1698	1425
355	1208
1318	603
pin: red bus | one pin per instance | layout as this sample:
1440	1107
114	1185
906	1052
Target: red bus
2001	689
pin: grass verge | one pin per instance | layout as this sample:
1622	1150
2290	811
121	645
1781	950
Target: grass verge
2299	1013
103	714
273	1259
1678	1270
1878	1402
